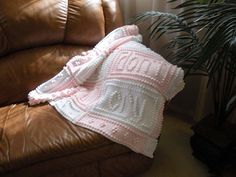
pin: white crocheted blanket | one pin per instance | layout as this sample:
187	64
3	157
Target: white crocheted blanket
117	89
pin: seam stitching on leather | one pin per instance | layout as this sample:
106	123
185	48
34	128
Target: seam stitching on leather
67	14
104	16
5	34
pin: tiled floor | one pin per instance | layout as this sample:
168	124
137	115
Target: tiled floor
174	155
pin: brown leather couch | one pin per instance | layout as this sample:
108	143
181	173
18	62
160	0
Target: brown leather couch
37	37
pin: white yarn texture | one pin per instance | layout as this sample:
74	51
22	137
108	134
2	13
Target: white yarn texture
118	89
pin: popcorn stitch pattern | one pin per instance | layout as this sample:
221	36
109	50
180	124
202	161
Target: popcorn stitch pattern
117	89
120	134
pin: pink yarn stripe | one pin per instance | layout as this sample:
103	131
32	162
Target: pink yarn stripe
119	42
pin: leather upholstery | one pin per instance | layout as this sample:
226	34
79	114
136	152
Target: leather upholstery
24	70
37	38
32	23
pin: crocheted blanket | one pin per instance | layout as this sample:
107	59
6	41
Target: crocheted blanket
117	89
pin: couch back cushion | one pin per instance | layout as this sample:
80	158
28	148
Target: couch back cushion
32	23
37	37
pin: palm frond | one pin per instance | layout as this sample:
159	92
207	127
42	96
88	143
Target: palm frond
204	32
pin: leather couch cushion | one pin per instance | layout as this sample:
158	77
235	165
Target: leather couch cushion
38	137
32	23
23	71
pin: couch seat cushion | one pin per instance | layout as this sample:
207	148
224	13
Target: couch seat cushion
28	68
30	136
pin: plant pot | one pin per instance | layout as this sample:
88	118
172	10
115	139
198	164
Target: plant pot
216	147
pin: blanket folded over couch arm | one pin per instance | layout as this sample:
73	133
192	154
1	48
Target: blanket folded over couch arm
117	89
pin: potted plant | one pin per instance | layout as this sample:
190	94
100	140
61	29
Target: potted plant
204	43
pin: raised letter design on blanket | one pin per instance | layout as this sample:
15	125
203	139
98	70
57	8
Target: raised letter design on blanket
128	104
117	89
